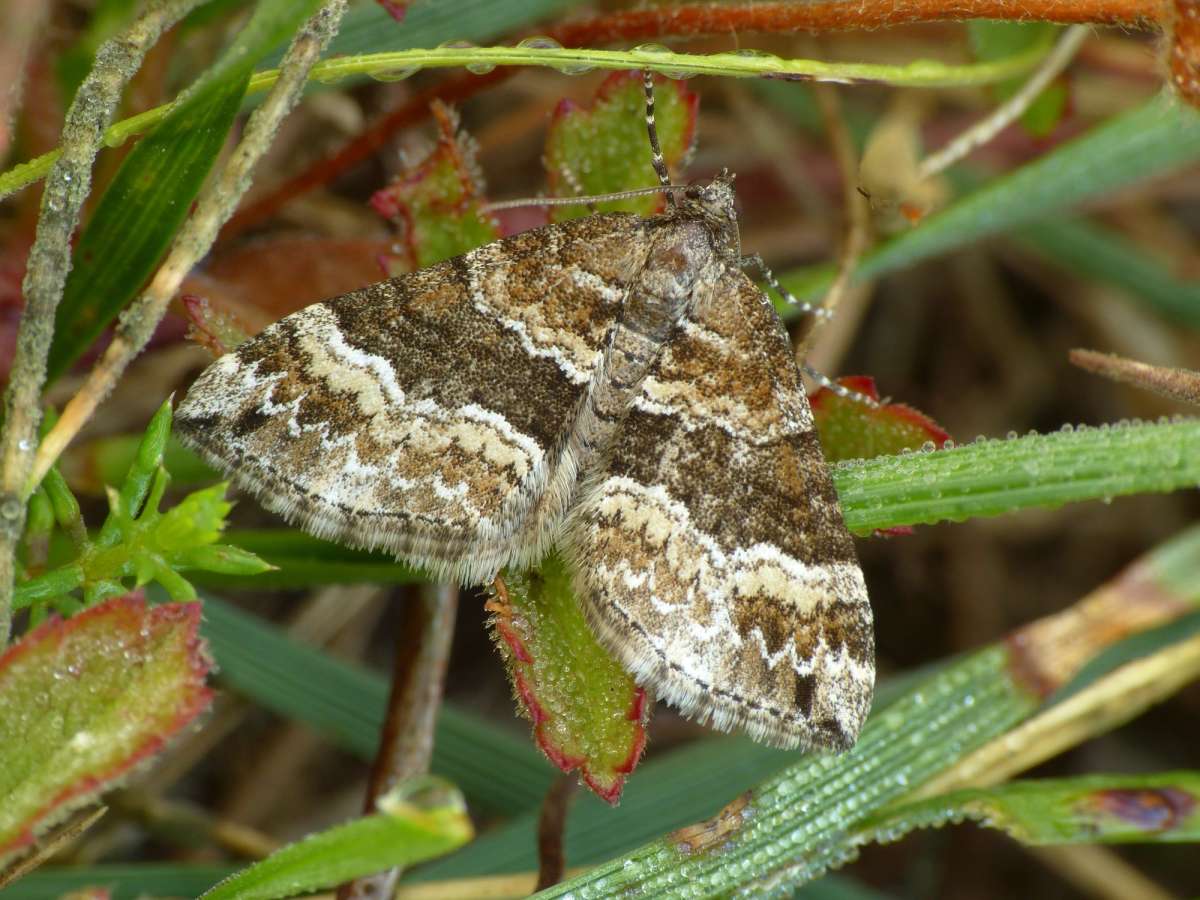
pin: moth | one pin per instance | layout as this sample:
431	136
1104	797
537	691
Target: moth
614	385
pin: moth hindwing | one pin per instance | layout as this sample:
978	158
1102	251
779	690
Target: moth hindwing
614	384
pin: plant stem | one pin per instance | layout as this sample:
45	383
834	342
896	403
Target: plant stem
1011	109
49	261
406	744
834	15
213	207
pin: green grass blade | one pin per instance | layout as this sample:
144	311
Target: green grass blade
991	477
985	478
404	832
667	792
800	816
138	216
347	703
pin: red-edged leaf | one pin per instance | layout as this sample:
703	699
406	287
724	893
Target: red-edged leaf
849	429
217	331
83	701
603	148
587	713
436	204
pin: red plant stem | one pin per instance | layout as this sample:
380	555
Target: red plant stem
406	743
695	19
839	15
552	826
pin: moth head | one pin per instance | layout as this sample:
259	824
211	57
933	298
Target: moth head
713	201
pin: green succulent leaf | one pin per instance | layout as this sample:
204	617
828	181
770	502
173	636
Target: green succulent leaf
83	701
587	713
602	148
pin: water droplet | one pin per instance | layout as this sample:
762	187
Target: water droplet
578	67
398	74
928	447
539	42
1068	428
10	509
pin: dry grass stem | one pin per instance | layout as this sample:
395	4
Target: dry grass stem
214	206
47	266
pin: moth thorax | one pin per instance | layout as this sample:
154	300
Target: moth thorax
713	203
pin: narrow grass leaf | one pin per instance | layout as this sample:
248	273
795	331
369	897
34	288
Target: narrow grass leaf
138	215
1102	255
988	478
124	881
425	819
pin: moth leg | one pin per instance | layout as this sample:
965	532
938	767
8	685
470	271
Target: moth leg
841	390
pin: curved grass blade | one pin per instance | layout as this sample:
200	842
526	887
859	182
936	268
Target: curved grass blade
420	820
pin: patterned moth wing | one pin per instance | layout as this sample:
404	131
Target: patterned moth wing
709	550
430	415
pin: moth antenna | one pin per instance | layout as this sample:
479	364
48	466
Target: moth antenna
656	154
839	389
756	261
575	201
568	175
